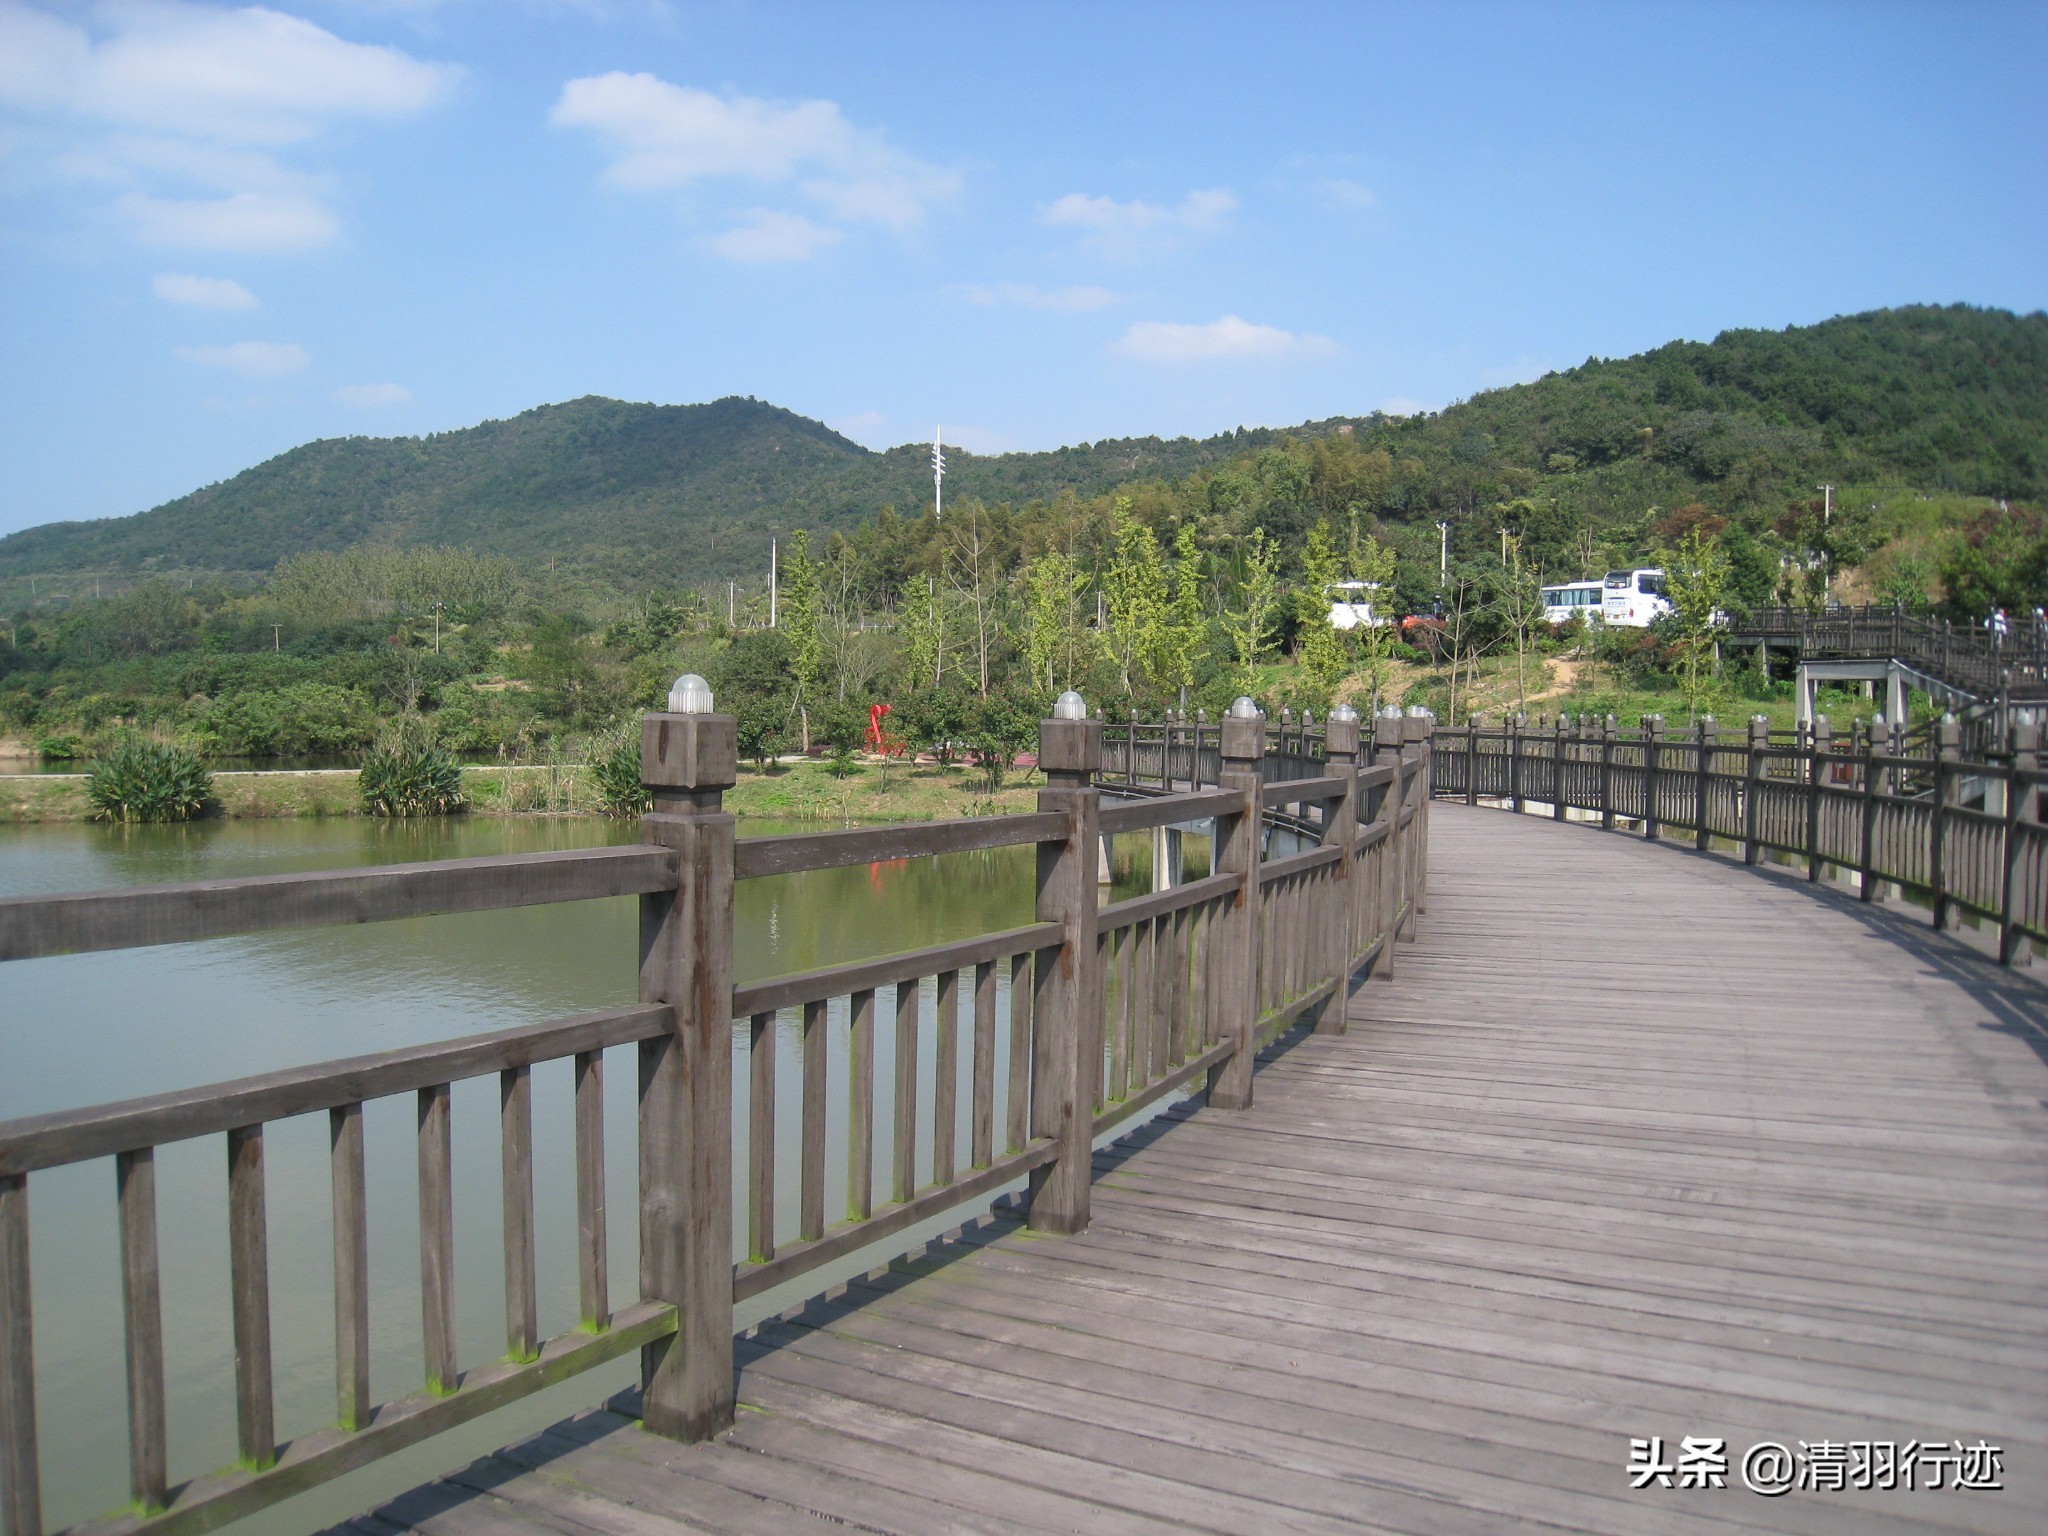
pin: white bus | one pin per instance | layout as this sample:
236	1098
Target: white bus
1351	605
1564	603
1634	599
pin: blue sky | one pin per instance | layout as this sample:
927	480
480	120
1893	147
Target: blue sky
227	231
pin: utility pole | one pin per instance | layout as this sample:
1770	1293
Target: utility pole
1443	556
1827	516
732	604
437	629
277	637
938	478
771	581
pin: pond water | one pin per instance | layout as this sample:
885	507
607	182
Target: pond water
87	1029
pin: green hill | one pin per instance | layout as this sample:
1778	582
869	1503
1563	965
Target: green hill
1941	399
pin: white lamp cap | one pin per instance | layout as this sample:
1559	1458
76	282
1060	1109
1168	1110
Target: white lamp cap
1242	708
689	695
1070	706
1345	713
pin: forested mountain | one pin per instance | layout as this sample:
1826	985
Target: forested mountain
1939	399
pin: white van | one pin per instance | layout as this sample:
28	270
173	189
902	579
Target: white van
1564	603
1351	605
1634	599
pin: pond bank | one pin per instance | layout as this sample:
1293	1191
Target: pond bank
800	791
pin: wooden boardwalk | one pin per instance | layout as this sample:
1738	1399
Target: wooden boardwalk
1636	1143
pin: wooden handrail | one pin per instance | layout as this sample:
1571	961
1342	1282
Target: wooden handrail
1861	804
1112	1008
33	926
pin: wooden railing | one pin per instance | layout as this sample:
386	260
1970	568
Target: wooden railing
1962	834
1110	1010
1972	659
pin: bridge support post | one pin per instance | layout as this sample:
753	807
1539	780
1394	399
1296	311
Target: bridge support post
2022	806
1558	747
1243	747
687	762
1474	724
1340	750
1066	1004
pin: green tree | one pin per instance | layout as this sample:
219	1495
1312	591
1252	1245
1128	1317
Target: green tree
1248	622
1057	640
1186	626
801	615
1134	589
1696	579
1317	648
1518	605
1374	564
924	623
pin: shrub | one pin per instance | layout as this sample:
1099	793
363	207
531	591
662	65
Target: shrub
61	749
615	774
148	781
409	773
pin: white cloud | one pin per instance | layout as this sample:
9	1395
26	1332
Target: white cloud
1073	299
1161	341
1522	370
251	359
1138	228
771	236
664	136
201	292
1338	192
242	221
860	425
365	397
165	99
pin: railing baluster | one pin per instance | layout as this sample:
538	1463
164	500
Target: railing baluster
1016	1122
21	1494
946	1078
142	1311
249	1291
351	1266
1102	1087
1118	1005
515	1160
593	1280
983	1133
811	1181
904	1107
761	1137
437	1239
860	1108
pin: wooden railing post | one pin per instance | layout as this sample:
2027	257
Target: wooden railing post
1474	724
1947	751
1703	766
1340	750
2022	807
1653	729
1243	748
1873	786
21	1498
1557	755
1515	724
1416	731
1818	745
1387	746
1752	785
687	762
1066	1029
1608	727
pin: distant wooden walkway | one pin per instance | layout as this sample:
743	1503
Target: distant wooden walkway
1637	1143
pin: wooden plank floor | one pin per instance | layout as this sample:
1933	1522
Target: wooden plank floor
1635	1144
